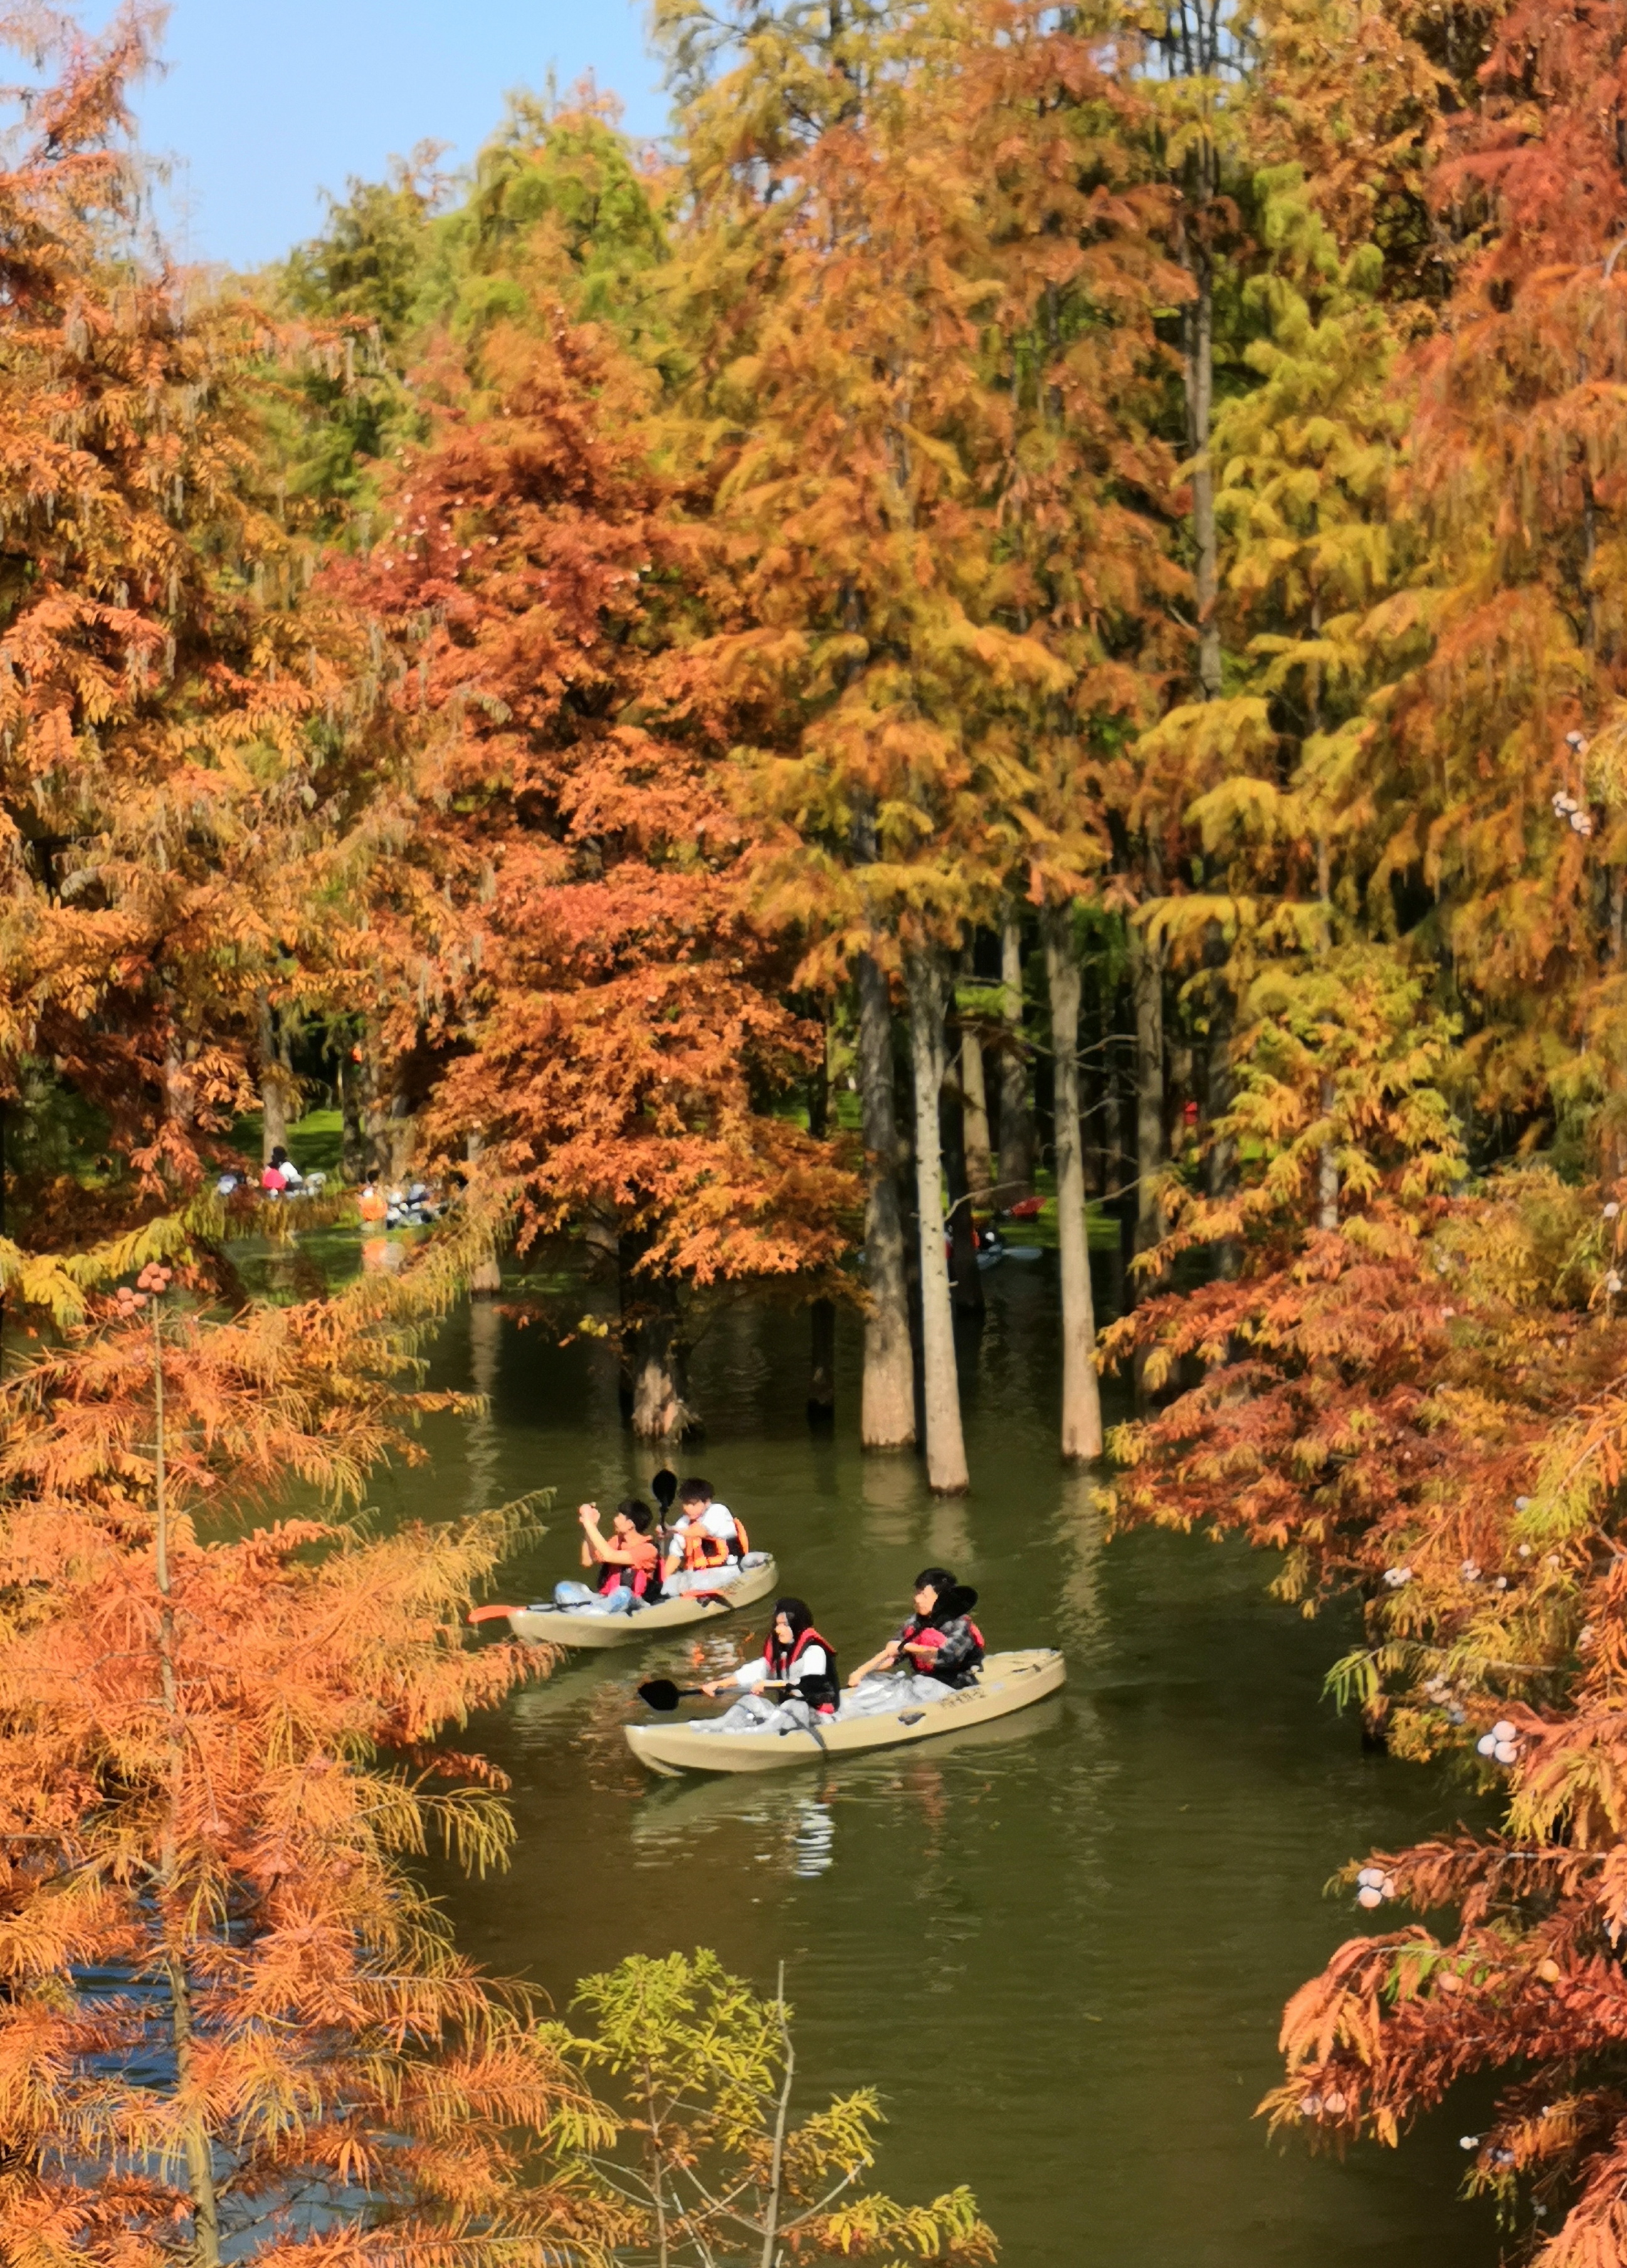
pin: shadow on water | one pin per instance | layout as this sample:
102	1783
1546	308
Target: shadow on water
1060	1949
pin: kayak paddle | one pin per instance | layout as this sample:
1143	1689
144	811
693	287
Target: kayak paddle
661	1694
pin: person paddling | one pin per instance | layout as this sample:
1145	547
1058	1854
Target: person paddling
798	1659
940	1641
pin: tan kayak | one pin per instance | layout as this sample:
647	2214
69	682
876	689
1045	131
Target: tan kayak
1005	1682
556	1626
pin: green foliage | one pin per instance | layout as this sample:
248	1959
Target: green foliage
402	259
711	2159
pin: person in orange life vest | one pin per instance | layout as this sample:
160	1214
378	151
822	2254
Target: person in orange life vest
940	1641
627	1556
797	1659
707	1541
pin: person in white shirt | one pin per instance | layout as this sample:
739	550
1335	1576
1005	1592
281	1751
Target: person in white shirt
708	1542
797	1662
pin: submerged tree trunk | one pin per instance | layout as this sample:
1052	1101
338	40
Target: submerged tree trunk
966	1285
1016	1177
886	1418
653	1350
1081	1395
945	1449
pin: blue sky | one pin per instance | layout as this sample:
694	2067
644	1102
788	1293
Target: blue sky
265	103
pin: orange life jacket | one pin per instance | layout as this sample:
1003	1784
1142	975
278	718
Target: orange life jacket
702	1549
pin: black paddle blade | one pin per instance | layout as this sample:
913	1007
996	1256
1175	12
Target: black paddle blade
664	1488
661	1694
961	1600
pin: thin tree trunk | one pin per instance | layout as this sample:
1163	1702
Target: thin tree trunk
1016	1120
979	1163
945	1449
1327	1162
1326	1170
821	1313
375	1110
966	1285
1222	1163
276	1081
1198	369
353	1137
1146	967
777	2163
887	1419
199	2151
403	1137
1081	1395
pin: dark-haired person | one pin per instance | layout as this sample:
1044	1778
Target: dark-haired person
708	1542
938	1649
291	1176
798	1662
628	1564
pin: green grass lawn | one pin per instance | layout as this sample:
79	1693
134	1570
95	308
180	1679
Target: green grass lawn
315	1142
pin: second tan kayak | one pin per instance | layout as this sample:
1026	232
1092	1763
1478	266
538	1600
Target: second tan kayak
1006	1681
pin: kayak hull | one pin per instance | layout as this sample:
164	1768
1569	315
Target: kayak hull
553	1626
1005	1684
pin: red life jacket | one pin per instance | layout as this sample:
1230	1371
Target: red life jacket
820	1691
915	1632
641	1581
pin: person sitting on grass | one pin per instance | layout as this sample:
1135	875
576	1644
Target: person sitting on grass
291	1176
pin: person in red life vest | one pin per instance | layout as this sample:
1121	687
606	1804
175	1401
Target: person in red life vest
797	1660
940	1642
628	1564
708	1542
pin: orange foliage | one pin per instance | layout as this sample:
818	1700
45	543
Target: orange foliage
221	1746
614	998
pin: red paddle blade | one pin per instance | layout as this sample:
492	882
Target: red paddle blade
491	1614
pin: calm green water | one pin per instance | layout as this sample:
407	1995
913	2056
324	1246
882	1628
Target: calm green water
1060	1949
